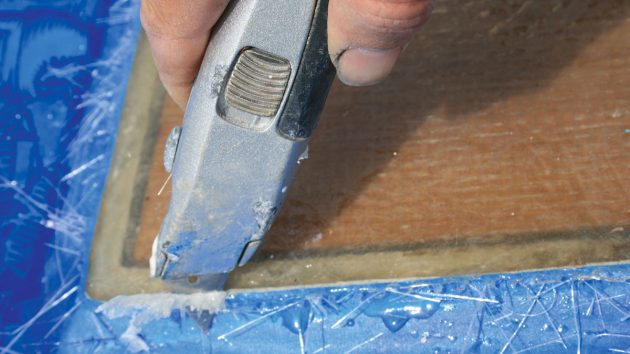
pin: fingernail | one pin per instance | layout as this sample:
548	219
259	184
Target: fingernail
362	67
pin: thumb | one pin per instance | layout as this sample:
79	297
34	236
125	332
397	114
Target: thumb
366	37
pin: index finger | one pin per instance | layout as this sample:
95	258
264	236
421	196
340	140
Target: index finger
178	32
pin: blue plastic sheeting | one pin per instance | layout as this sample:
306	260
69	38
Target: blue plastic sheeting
582	310
63	71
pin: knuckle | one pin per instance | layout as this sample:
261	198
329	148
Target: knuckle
393	16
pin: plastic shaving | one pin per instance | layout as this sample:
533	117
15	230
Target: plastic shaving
149	307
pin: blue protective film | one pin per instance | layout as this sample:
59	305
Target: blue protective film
63	72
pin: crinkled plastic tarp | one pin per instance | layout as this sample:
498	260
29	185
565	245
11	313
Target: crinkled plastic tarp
64	67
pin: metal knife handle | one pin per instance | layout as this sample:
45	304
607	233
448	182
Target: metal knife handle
255	103
312	83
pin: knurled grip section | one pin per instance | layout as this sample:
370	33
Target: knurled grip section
257	82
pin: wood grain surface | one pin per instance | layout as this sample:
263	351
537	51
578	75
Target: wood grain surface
503	119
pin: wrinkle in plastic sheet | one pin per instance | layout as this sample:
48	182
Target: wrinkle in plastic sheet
62	81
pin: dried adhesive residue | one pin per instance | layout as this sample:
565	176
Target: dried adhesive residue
150	307
141	310
264	212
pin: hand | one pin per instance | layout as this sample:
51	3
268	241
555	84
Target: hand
365	37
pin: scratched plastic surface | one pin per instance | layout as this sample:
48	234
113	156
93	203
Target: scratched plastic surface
62	80
583	310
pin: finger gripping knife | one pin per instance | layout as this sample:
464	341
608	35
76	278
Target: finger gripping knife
256	100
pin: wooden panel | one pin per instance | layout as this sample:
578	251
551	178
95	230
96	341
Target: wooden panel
158	190
503	118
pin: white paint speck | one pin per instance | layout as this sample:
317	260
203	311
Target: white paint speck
424	338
